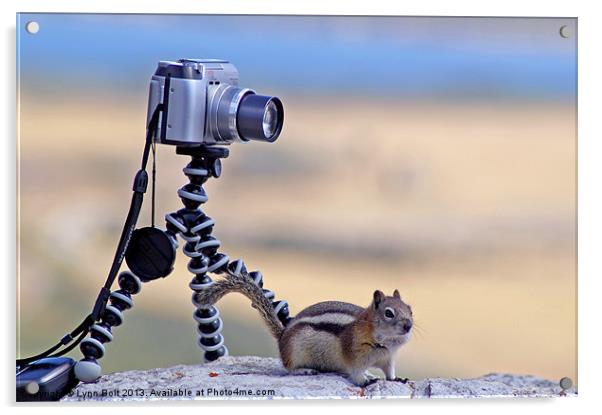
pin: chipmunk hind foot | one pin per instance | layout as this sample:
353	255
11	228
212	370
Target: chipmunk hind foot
304	371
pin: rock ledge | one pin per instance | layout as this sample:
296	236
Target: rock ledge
264	378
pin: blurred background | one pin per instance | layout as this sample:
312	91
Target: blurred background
432	155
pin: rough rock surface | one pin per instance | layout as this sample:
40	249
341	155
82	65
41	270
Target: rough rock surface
265	378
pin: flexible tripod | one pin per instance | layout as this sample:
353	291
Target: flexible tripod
195	228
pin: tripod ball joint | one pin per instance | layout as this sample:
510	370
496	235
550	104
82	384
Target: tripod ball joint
87	370
101	332
210	344
210	329
282	312
199	282
174	223
190	251
92	347
218	263
237	268
257	278
216	354
198	265
197	172
192	195
112	316
129	283
202	225
121	299
207	245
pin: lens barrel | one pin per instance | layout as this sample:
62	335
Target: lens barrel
260	118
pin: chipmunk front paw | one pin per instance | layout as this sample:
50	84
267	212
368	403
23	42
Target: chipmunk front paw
369	382
362	379
369	379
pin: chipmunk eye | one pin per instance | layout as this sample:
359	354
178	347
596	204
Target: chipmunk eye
389	313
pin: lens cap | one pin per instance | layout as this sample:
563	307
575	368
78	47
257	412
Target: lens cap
150	254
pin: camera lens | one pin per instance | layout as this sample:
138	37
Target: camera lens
270	119
260	118
242	115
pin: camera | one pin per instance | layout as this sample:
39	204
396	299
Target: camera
201	104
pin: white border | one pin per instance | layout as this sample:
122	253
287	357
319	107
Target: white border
590	174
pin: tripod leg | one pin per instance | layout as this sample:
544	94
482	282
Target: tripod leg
88	369
202	248
193	225
209	323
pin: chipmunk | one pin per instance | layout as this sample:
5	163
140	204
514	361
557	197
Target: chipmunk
330	336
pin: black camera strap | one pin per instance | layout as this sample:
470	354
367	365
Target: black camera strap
154	181
139	188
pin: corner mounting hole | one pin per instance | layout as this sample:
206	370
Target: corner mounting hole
565	32
32	27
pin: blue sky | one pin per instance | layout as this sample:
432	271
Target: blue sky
379	56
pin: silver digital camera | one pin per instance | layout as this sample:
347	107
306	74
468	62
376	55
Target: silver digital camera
201	103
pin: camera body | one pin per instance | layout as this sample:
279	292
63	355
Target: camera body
202	104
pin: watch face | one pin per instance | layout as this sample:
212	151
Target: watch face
431	155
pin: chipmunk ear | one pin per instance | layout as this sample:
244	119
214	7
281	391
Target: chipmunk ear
396	294
379	296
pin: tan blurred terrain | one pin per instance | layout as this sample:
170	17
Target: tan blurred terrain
467	208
